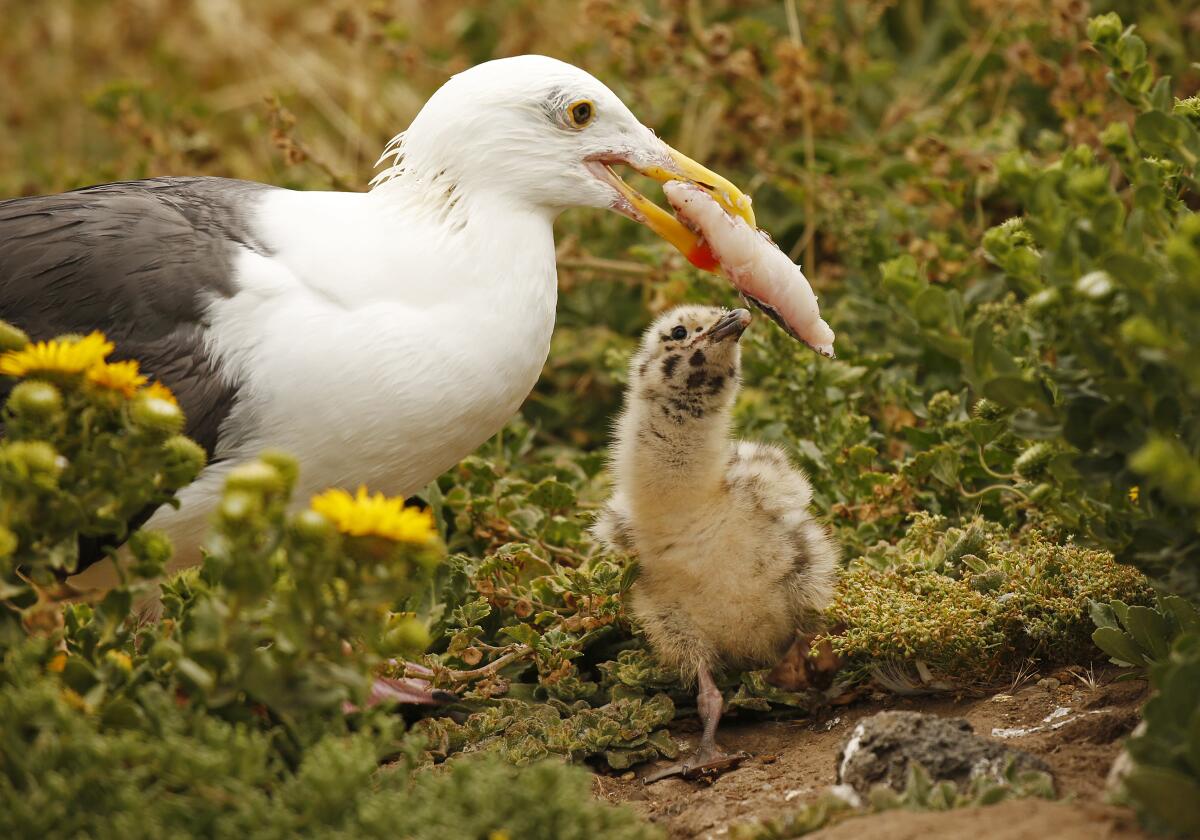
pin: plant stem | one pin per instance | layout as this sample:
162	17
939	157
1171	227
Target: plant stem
519	652
977	493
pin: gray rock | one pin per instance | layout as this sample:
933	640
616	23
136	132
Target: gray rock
880	748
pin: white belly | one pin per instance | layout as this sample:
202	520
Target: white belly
374	388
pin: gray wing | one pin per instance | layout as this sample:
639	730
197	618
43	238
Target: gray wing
140	261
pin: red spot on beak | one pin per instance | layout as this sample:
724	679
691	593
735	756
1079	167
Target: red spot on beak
702	257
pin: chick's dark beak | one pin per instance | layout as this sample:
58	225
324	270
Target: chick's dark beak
731	325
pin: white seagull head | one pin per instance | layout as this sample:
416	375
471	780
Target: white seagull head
542	135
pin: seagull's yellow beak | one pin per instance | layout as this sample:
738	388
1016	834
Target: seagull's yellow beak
679	168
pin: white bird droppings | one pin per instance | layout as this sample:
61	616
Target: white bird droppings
852	748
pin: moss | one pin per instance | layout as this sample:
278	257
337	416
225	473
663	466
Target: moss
970	617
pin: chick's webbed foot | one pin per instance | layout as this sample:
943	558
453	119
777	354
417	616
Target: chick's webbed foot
709	761
702	765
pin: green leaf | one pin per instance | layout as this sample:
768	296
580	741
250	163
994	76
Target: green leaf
945	466
1149	630
1159	133
552	494
983	431
932	307
1014	392
1186	615
1118	645
195	675
1120	608
1160	94
1103	615
521	633
1167	795
629	576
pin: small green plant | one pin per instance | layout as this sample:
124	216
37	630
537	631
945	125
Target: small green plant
1142	635
949	606
244	708
1163	641
1164	782
86	445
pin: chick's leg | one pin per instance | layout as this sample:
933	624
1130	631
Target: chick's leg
709	704
709	760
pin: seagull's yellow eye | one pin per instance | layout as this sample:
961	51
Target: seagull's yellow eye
580	113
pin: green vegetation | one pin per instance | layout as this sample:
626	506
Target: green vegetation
996	204
1165	750
948	607
243	709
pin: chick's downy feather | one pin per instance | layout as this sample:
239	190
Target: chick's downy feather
732	562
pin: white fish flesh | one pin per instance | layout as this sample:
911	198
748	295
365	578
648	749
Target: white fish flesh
754	264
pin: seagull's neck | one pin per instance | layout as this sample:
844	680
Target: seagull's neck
409	245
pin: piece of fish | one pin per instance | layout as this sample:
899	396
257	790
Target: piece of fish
754	264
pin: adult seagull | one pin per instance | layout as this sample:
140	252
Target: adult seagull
380	337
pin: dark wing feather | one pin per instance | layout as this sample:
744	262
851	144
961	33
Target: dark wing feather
140	261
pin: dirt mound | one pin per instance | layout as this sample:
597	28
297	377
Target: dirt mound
1021	820
1074	729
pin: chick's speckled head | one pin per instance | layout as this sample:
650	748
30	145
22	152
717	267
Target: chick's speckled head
689	360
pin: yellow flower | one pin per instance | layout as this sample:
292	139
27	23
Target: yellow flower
1134	492
363	515
117	376
58	356
161	392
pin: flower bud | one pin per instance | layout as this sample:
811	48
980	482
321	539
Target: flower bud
406	636
287	466
1044	300
985	409
155	414
184	460
35	400
238	506
311	528
941	405
32	457
1032	462
11	338
255	477
1188	108
1041	493
1141	330
1105	29
151	550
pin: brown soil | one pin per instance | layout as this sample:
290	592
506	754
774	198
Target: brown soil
795	761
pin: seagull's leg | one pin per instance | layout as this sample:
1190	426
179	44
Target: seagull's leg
709	760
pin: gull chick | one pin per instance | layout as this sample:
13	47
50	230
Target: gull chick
732	563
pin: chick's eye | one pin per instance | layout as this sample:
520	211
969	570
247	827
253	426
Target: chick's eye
581	113
679	333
